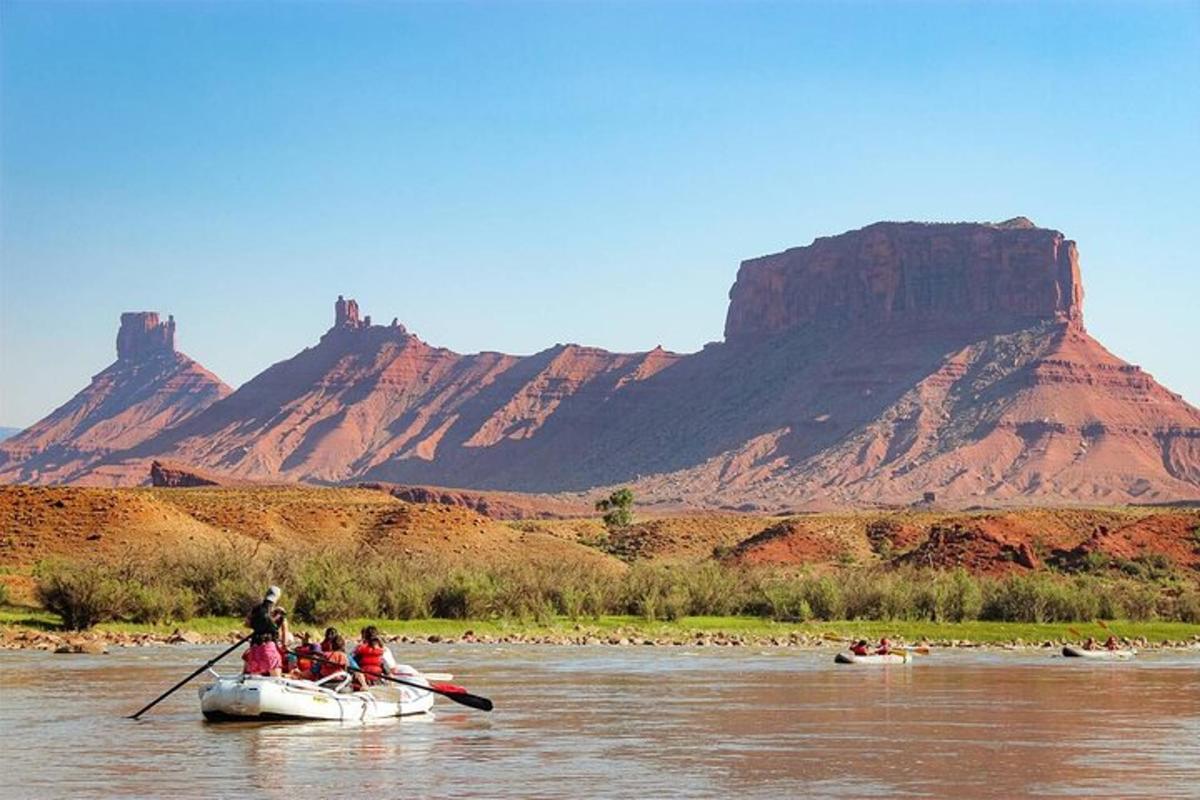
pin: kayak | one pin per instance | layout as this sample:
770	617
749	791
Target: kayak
261	697
1099	655
890	658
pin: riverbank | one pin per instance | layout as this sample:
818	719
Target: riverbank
25	628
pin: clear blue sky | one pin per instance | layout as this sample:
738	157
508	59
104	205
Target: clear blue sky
508	176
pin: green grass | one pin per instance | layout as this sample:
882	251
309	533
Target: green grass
684	628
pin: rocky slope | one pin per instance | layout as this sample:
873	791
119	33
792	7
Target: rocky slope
872	367
148	389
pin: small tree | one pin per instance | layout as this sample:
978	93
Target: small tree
617	508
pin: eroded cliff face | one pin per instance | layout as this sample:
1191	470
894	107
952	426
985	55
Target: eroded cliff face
911	275
871	367
149	388
366	396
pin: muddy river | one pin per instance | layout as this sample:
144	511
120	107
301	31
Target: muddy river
626	722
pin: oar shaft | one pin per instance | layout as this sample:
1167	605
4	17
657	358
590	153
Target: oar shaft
203	667
465	698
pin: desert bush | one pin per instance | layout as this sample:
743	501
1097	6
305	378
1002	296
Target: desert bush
330	587
824	597
654	592
226	580
713	590
154	603
340	585
963	599
1185	606
402	589
784	600
82	594
464	594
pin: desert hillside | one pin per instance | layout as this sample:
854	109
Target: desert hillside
71	522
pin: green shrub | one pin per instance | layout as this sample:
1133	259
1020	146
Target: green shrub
964	597
713	590
402	590
824	597
330	588
1185	606
465	595
82	594
150	603
785	600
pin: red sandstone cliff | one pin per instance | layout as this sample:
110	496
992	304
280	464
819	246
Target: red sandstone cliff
149	388
911	275
869	367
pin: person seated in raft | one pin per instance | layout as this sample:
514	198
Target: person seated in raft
334	659
885	647
306	668
859	648
267	623
370	657
1090	644
1111	643
327	642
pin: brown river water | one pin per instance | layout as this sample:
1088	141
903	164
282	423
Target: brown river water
626	722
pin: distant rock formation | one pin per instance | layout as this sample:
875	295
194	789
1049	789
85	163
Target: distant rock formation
168	475
910	275
497	505
148	389
871	368
142	335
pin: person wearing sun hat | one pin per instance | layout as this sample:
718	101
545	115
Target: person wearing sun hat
269	626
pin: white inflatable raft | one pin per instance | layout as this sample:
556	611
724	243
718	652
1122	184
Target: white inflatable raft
258	697
890	658
1071	651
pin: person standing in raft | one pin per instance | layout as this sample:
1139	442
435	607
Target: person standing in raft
269	627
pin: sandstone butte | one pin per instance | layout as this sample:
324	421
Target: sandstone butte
148	389
867	368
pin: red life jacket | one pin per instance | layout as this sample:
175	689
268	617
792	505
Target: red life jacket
859	650
337	662
306	664
370	660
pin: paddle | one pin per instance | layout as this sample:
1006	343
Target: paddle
461	696
177	686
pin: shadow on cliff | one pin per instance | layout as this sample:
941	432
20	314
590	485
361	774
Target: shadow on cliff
812	388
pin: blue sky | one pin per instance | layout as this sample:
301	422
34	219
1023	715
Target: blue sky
507	176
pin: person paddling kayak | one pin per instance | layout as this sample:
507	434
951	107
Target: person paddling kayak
1111	643
269	626
885	647
859	648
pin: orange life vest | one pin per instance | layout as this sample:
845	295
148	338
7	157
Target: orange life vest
303	663
370	660
337	662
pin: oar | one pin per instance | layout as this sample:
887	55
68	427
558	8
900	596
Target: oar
462	697
920	650
206	665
